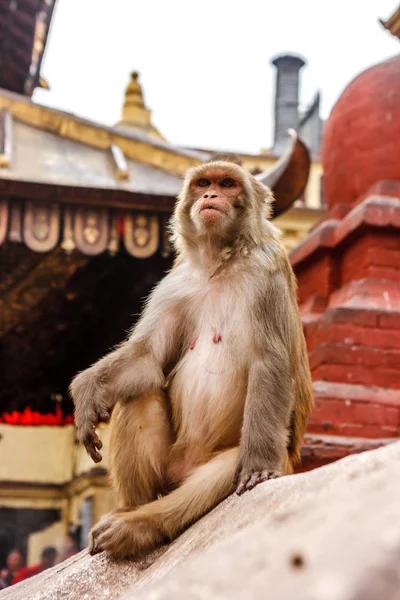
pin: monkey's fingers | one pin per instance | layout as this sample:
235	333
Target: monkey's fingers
92	546
267	474
241	488
102	525
254	479
94	455
248	482
97	441
92	443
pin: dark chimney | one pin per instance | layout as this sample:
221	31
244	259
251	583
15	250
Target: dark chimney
286	98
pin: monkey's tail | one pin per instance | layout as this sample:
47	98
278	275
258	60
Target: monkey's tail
304	402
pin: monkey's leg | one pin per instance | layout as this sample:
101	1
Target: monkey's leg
140	441
137	532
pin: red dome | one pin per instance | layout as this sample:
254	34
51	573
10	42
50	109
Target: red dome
361	141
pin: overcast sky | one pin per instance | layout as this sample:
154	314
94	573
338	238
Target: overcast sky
205	64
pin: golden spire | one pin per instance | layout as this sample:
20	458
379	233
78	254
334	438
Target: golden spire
135	115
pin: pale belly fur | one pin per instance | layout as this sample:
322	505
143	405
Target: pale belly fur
208	388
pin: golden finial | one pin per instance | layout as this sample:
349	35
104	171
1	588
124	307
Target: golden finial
135	115
134	111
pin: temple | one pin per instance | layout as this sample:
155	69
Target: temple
83	238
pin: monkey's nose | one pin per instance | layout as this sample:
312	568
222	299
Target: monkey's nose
209	195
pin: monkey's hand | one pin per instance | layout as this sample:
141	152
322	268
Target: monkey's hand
90	409
248	480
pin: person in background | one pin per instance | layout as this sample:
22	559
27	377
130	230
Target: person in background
14	564
3	575
48	558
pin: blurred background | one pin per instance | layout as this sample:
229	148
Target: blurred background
103	107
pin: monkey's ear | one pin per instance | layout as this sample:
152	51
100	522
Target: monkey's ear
264	196
289	175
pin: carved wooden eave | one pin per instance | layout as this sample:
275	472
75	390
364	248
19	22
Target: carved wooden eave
24	27
68	181
392	24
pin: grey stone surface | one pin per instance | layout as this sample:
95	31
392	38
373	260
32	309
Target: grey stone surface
329	534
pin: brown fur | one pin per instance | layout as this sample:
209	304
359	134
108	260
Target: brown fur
212	389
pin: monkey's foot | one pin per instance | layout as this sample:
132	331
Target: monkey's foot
249	481
102	525
125	535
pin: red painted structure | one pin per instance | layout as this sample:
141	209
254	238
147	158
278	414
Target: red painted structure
348	271
361	137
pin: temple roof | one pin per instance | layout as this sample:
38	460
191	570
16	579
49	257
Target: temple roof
47	147
41	156
392	24
67	124
24	26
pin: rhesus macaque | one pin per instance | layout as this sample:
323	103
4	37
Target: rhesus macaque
211	392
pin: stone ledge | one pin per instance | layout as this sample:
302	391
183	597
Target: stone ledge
329	534
320	449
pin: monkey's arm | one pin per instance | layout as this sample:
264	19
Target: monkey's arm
134	368
269	399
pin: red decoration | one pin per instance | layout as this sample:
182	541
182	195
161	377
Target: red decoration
361	136
121	223
29	417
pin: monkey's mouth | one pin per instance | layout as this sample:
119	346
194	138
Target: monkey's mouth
211	207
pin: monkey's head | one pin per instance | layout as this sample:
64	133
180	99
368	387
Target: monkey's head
223	202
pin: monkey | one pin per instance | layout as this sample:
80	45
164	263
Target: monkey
211	392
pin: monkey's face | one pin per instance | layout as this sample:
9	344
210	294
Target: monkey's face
217	198
220	200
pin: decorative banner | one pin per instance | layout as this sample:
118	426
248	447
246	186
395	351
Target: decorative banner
68	243
141	234
92	230
113	244
3	219
41	226
16	221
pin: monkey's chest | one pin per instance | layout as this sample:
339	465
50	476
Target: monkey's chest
208	388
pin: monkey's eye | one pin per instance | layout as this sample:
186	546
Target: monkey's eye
228	182
203	182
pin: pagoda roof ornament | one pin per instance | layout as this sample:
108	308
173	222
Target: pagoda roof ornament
135	115
133	97
392	24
